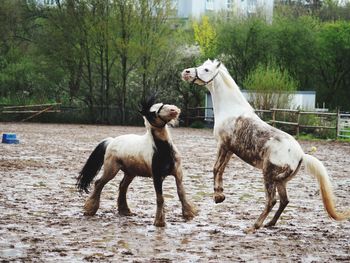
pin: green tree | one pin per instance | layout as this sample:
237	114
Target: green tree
17	71
270	87
206	37
155	40
293	42
243	44
333	64
60	39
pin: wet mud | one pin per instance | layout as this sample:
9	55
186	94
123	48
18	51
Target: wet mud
42	220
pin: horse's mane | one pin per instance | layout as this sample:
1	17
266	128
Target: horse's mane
229	81
231	84
147	103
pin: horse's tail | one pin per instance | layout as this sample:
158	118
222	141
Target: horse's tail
92	166
316	168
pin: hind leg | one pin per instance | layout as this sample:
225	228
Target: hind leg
123	207
93	202
188	211
282	192
270	191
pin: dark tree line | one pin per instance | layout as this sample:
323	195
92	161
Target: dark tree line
105	55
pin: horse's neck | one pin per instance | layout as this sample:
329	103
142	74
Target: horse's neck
228	100
160	133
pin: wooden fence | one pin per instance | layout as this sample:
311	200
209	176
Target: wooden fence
293	119
31	110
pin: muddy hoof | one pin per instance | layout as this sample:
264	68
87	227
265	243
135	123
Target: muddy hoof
189	214
125	213
91	207
89	213
270	224
159	223
250	230
219	198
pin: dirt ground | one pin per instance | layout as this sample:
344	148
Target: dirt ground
41	217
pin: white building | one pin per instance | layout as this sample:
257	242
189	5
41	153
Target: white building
303	100
46	2
196	8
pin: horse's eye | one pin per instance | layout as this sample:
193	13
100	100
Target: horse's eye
206	70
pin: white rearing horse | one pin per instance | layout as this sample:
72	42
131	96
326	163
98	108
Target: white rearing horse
240	131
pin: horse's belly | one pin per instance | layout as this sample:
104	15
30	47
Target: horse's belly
135	167
253	159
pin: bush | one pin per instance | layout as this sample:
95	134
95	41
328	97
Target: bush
270	87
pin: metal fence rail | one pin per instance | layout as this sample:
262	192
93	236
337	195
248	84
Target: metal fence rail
344	125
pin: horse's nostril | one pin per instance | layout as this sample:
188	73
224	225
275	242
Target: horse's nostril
187	71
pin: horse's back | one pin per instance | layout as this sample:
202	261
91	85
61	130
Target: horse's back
132	146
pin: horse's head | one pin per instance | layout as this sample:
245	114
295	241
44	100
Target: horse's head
158	114
203	74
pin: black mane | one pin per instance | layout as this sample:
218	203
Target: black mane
146	104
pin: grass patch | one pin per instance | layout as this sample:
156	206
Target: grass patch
312	137
308	137
197	125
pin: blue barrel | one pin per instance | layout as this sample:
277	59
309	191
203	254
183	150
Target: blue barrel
10	138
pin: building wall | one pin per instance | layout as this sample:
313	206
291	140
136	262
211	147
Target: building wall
196	8
304	100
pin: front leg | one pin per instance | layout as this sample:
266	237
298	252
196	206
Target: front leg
158	186
221	161
188	210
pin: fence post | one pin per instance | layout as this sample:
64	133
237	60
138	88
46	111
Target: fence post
298	123
273	117
186	117
337	124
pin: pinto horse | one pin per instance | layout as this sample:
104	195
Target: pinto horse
151	155
238	130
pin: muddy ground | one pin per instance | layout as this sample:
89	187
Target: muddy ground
41	216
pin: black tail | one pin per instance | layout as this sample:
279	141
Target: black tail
92	167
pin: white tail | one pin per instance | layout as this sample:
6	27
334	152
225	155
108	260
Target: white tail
316	168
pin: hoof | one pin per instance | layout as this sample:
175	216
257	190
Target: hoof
250	230
91	207
189	214
89	213
159	223
219	197
125	213
270	224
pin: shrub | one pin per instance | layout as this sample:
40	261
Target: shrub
270	87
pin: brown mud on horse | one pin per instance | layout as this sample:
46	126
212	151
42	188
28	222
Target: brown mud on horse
150	155
240	131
